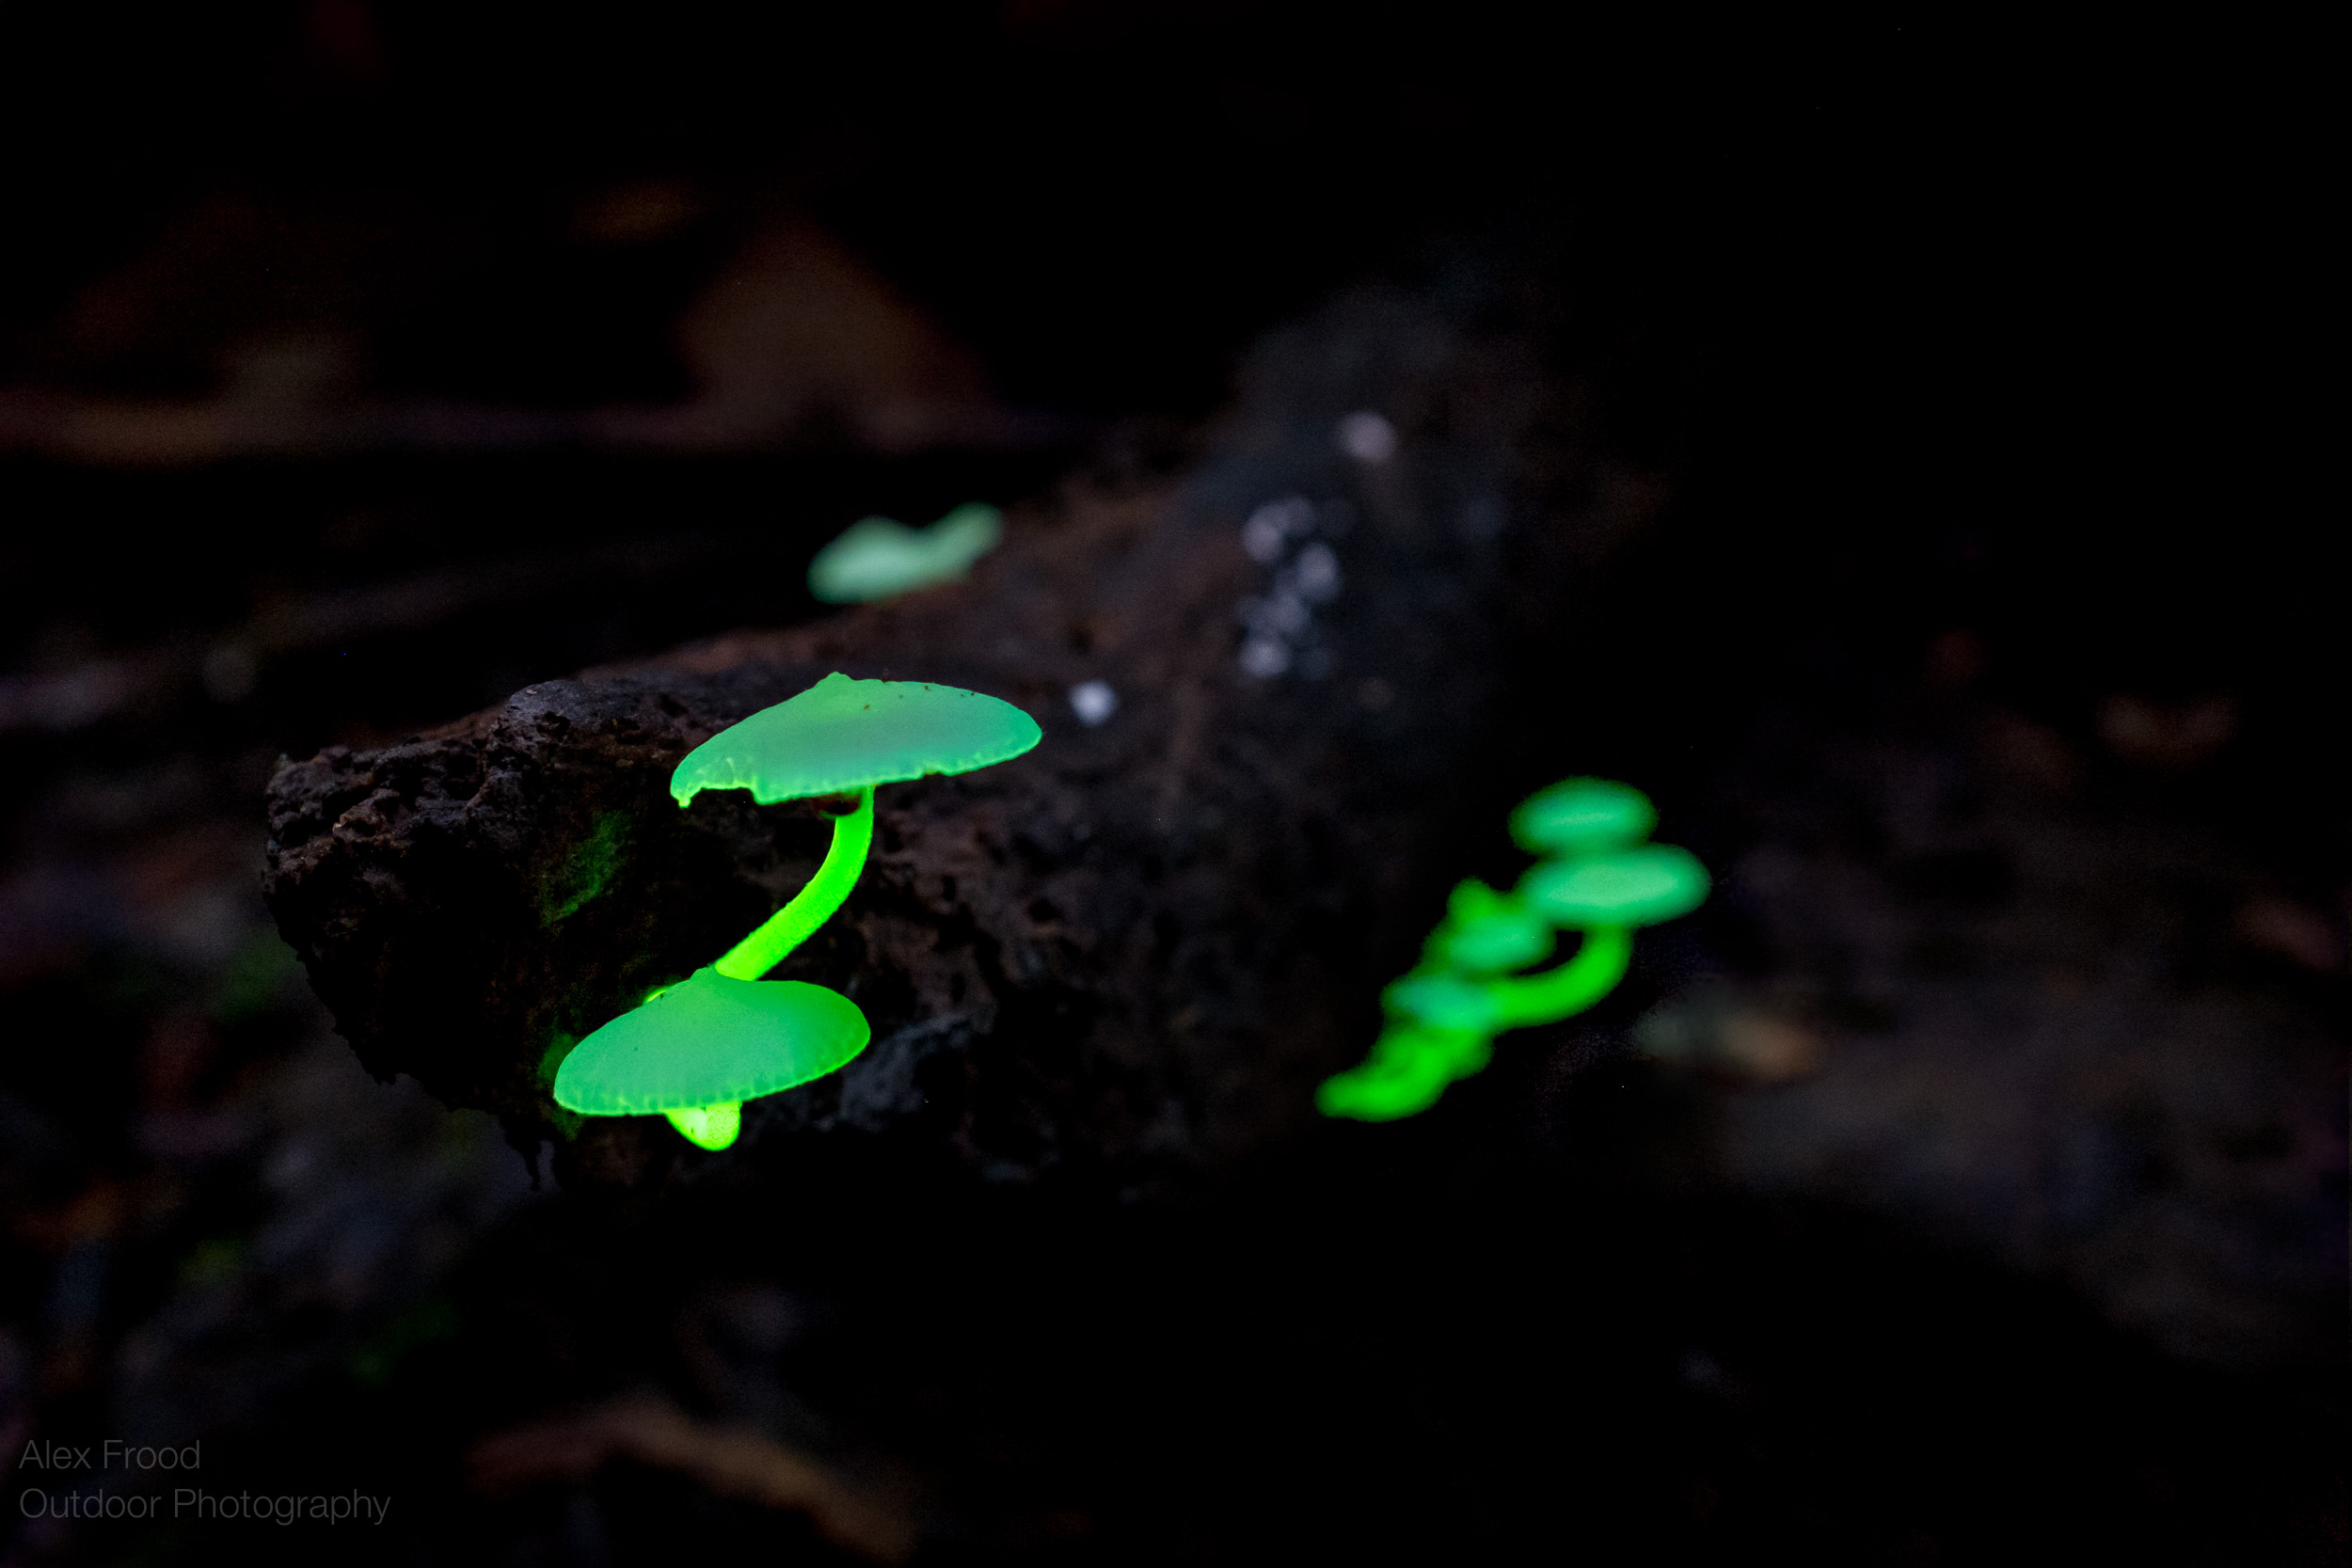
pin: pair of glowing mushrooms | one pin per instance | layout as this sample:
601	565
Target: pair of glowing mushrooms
695	1050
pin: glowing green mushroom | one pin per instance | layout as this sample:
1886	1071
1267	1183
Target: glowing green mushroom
837	741
1486	932
1442	1018
1640	886
834	743
1576	816
1409	1066
876	557
1440	1001
1516	1002
696	1051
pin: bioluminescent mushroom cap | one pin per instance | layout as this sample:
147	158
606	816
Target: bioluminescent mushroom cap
844	734
1577	816
709	1040
1640	886
876	557
1442	1001
1486	932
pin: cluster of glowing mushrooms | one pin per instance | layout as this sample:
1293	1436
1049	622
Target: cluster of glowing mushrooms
1598	878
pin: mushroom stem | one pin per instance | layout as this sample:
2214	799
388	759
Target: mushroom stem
709	1126
1570	987
790	926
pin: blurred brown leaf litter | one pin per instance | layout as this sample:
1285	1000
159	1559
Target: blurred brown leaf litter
251	324
731	1461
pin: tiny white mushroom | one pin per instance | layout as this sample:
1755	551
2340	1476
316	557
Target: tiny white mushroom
1264	535
1265	657
1318	574
1093	702
1367	438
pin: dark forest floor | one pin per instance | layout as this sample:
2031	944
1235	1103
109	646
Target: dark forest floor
1969	1185
1966	1183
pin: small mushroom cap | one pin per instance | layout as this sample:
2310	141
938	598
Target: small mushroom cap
1576	816
876	557
1441	1002
845	734
707	1041
1408	1069
1486	932
1640	886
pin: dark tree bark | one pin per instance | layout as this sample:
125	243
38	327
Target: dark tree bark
1125	957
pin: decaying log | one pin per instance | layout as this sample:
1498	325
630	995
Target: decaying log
1133	951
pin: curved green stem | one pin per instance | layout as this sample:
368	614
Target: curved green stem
790	926
1571	987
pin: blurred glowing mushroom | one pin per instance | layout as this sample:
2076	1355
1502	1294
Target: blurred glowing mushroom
1486	932
1577	816
1444	1015
1637	886
876	557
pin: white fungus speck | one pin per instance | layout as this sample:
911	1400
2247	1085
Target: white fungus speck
1265	657
1367	438
1262	536
1270	525
1093	702
1318	574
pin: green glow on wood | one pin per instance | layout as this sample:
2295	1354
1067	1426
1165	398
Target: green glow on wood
587	870
810	907
878	558
1602	882
695	1050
